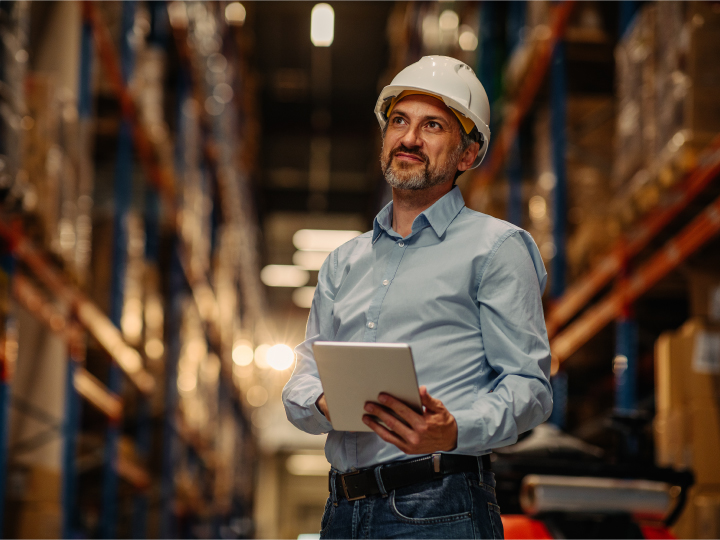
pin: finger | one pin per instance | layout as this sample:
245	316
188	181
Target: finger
402	410
385	434
429	402
397	426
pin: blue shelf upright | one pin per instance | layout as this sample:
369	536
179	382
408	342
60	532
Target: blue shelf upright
123	192
558	127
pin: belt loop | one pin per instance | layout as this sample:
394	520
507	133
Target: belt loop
378	479
480	467
333	486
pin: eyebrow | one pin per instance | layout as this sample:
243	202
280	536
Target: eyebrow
424	118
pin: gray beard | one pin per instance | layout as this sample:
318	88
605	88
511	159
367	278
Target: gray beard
424	178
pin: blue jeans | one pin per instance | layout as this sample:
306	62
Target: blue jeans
456	506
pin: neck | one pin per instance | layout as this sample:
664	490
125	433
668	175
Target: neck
408	203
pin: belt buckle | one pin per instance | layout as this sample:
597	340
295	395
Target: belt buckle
345	489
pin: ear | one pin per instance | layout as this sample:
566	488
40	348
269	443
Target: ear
468	157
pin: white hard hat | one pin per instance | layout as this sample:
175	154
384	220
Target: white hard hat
450	80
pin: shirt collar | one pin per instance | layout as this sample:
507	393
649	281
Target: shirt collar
438	216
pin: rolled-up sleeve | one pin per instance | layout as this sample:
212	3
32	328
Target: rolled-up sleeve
303	389
516	347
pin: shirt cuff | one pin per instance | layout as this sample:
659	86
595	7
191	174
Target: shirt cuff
321	419
471	432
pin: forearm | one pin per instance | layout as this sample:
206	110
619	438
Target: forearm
497	418
300	397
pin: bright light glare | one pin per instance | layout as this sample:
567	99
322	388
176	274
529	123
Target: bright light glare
322	25
154	348
321	240
449	20
242	353
235	14
468	41
280	357
310	260
186	381
284	275
307	465
303	296
257	396
261	356
537	207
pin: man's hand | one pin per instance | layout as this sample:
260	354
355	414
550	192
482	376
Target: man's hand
432	431
322	405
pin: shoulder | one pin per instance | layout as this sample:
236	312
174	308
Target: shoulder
493	230
507	245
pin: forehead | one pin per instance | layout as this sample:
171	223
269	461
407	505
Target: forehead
420	105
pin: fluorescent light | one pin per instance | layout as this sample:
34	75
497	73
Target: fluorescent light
310	260
235	14
284	275
321	240
449	20
280	357
322	25
307	465
303	296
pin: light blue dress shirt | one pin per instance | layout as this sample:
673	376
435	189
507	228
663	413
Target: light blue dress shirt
464	290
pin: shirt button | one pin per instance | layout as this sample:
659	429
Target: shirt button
385	282
371	325
401	244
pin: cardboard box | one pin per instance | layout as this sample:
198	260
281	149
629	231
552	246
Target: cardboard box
705	442
705	294
33	520
701	347
706	510
34	484
687	366
673	439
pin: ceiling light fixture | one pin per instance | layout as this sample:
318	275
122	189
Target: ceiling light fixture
310	260
322	25
321	240
303	296
235	14
284	275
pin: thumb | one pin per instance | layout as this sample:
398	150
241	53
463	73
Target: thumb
428	401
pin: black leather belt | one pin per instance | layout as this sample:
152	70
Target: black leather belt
366	482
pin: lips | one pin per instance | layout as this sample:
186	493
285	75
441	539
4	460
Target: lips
408	156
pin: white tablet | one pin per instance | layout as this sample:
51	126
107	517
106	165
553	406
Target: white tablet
355	373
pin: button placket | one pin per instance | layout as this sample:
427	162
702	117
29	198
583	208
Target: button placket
373	313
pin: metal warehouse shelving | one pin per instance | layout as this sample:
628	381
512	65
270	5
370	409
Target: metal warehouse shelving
82	315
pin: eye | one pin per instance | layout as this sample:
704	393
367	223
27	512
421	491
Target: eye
397	120
433	125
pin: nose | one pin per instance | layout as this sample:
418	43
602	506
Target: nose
411	138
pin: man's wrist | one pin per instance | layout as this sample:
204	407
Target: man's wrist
317	404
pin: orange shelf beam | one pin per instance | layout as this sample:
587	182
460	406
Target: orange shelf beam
579	294
698	232
86	384
89	316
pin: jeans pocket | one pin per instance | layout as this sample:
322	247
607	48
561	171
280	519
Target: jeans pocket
327	516
496	520
439	501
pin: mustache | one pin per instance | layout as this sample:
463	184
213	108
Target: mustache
405	150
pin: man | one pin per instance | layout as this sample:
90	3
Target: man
463	289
